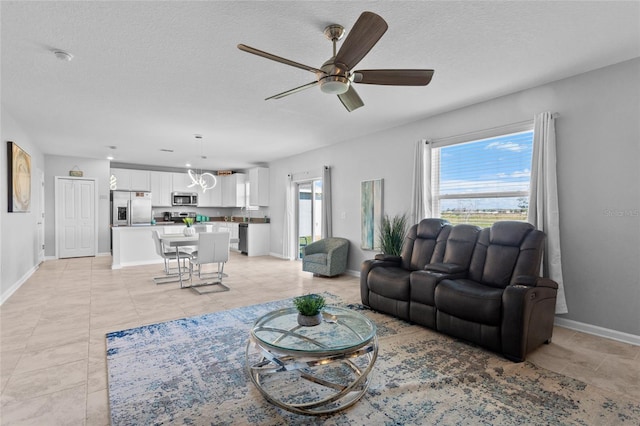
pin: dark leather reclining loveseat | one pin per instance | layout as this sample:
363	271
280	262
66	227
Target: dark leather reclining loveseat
481	285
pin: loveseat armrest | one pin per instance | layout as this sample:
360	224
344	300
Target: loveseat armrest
445	268
365	268
388	258
528	316
531	281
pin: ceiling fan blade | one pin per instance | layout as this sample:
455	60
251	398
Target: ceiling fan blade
292	91
363	36
394	77
249	49
350	99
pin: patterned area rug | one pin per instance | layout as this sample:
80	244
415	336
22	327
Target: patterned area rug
191	371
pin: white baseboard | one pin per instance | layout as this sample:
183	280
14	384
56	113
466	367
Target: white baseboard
278	255
7	294
632	339
352	273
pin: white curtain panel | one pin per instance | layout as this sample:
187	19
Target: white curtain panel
288	231
543	200
421	191
326	203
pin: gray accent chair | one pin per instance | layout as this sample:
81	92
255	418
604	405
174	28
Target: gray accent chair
326	257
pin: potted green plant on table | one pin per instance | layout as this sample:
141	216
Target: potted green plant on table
189	230
309	309
392	233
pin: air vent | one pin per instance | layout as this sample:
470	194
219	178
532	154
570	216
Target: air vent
166	150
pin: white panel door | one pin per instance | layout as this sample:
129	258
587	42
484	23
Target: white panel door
77	218
40	222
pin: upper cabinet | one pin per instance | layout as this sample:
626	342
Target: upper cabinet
131	180
258	186
230	190
161	189
211	197
233	190
181	182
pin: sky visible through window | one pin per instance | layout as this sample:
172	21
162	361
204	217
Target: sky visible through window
496	165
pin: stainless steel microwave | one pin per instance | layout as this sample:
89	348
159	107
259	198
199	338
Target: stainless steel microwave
184	199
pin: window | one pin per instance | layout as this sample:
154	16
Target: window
483	180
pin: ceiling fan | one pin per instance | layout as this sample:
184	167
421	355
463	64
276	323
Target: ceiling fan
336	77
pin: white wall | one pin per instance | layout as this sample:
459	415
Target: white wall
598	134
19	231
98	169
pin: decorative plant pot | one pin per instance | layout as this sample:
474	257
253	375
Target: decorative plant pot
189	231
310	320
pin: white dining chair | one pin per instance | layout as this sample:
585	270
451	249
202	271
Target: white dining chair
213	248
170	275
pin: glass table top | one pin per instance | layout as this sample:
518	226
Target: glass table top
341	330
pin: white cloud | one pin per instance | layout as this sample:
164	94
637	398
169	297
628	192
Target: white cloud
508	146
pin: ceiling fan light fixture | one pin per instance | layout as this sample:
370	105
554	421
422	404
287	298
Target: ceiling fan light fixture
335	84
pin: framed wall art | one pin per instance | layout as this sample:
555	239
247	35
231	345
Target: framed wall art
370	213
19	178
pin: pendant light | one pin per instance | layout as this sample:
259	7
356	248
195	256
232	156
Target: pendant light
202	180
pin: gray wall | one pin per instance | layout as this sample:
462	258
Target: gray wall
598	136
19	231
98	169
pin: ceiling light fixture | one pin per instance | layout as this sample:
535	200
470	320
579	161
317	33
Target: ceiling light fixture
335	85
62	55
203	180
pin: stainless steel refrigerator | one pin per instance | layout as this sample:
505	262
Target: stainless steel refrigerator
130	208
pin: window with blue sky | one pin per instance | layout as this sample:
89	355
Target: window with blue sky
482	181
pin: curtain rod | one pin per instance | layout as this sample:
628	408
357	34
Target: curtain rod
482	134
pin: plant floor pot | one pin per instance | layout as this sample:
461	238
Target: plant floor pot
310	320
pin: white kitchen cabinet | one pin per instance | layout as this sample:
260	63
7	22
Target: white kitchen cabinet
258	239
181	182
211	197
161	189
131	180
233	190
120	180
259	186
140	180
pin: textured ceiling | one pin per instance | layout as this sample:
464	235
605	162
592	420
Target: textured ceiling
149	75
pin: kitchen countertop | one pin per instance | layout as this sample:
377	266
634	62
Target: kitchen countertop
214	219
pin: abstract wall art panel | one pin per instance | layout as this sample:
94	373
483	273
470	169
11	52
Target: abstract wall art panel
371	213
19	179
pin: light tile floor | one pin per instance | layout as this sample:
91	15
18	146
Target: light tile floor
52	335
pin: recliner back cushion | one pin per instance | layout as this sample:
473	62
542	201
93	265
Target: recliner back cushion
460	244
509	233
425	242
504	251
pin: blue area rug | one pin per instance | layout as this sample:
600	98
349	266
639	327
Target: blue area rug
191	371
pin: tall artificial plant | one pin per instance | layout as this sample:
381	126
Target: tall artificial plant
392	233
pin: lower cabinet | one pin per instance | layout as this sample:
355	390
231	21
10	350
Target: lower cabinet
258	239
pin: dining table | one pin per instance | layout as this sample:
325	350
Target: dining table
180	240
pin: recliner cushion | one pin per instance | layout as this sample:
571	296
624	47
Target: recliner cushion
390	282
470	301
509	233
318	258
499	264
430	228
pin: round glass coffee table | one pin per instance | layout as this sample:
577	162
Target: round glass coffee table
312	370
